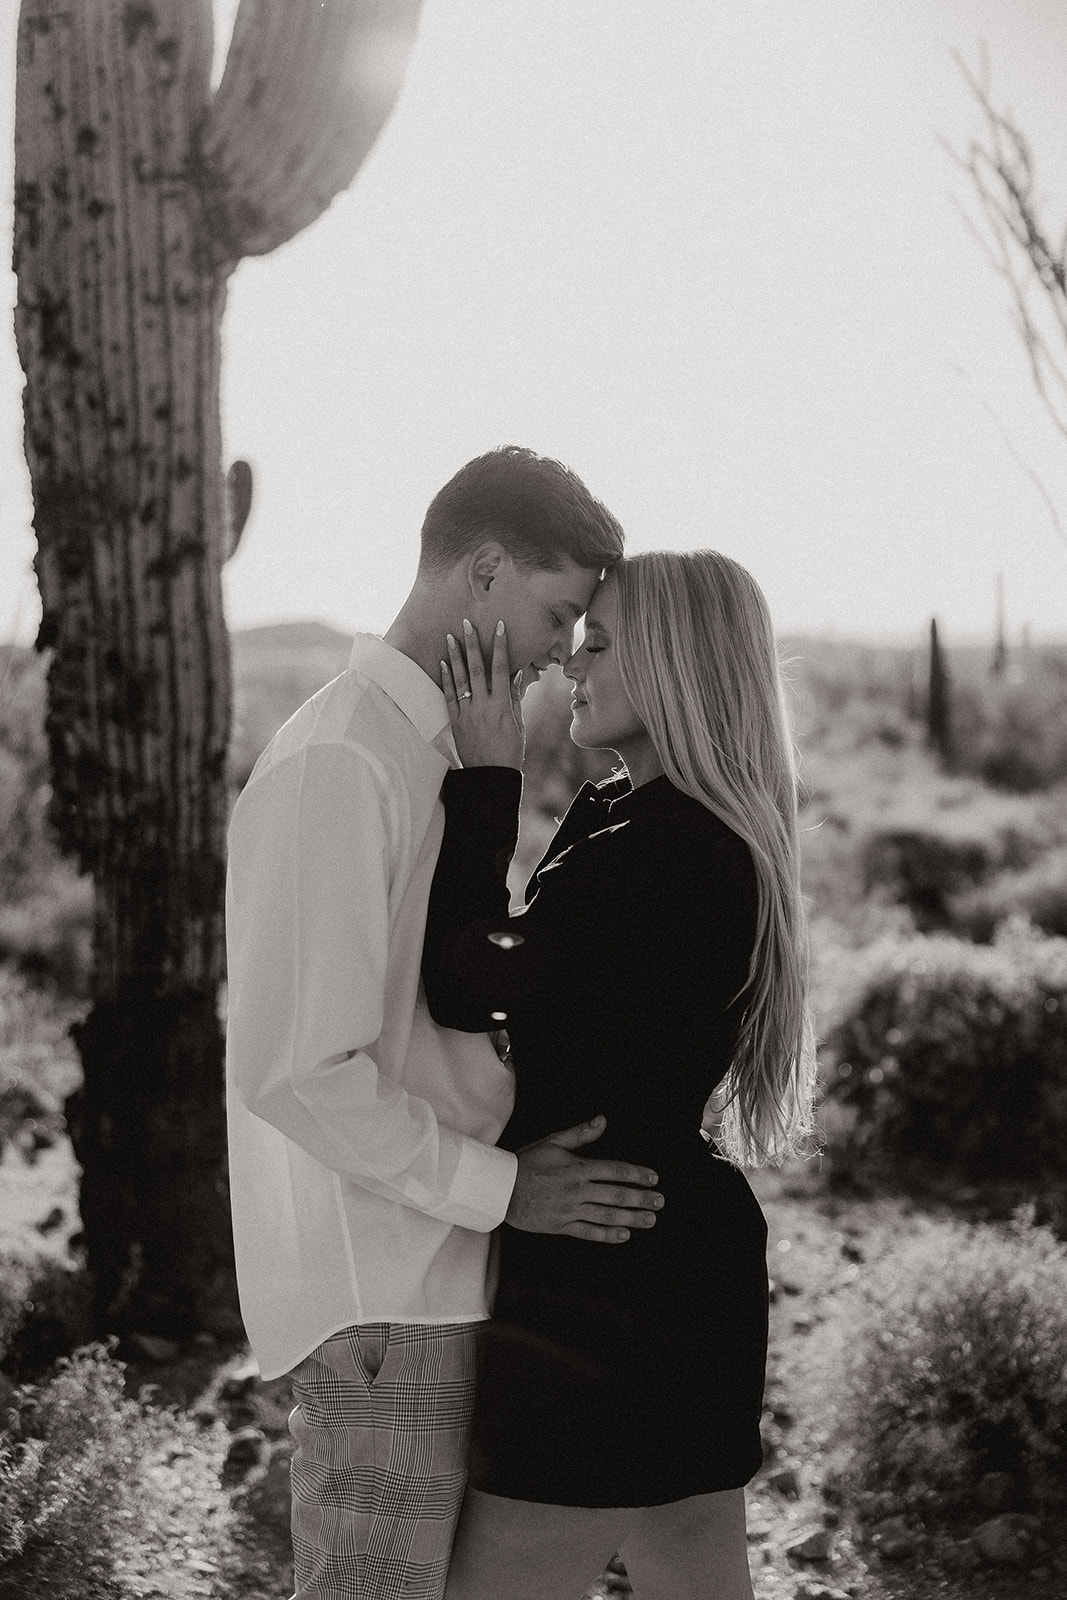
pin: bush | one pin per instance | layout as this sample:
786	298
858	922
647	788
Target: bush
45	1311
94	1485
39	1067
27	852
45	904
1014	728
923	870
956	1367
845	695
46	907
1038	892
948	1062
48	936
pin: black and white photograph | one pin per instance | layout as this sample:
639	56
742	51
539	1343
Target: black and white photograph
533	800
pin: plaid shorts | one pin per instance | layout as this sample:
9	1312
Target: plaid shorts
381	1424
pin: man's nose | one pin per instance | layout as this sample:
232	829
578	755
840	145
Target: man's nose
561	651
570	666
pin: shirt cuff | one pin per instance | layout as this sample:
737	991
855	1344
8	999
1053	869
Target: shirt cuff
485	1176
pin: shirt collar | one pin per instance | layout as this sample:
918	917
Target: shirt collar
404	681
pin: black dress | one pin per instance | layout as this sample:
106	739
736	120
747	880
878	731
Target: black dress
623	1374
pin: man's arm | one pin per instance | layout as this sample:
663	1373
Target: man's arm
308	937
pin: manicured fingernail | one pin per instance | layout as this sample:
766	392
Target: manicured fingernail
444	666
500	627
451	641
468	626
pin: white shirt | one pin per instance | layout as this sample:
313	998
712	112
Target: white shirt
363	1174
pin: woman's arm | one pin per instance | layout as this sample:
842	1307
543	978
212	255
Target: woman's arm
475	958
467	970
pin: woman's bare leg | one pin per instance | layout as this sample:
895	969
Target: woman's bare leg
694	1549
522	1550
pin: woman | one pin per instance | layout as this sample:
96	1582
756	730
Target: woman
660	958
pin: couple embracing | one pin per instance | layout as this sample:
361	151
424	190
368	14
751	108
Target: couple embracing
483	1211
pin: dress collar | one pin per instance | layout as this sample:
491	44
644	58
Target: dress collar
620	794
602	805
404	681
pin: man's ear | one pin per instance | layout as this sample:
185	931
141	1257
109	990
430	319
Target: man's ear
485	565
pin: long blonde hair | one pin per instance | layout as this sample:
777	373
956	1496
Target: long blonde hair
697	655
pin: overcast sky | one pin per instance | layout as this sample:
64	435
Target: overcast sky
708	252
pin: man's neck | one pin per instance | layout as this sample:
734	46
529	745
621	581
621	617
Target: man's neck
418	632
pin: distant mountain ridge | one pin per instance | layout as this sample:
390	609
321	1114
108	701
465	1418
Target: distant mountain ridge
303	634
276	667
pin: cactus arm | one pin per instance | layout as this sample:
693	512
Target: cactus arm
305	92
238	501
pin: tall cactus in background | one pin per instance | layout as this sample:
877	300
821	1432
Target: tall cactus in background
999	661
137	191
938	701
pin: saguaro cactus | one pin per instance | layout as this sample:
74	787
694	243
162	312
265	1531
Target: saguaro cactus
999	660
938	701
137	190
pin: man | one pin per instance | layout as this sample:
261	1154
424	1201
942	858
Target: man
364	1174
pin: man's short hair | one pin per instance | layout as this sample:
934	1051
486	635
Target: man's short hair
537	509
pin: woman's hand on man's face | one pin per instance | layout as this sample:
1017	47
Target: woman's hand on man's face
484	708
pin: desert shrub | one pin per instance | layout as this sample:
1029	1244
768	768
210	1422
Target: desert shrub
1037	892
26	848
1012	730
846	694
45	906
923	870
48	935
1008	729
947	1062
93	1485
45	1311
955	1365
38	1063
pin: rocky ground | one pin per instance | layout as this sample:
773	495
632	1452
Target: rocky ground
808	1539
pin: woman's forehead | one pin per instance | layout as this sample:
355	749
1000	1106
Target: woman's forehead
604	605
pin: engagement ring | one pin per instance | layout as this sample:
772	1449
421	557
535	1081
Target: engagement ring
466	695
